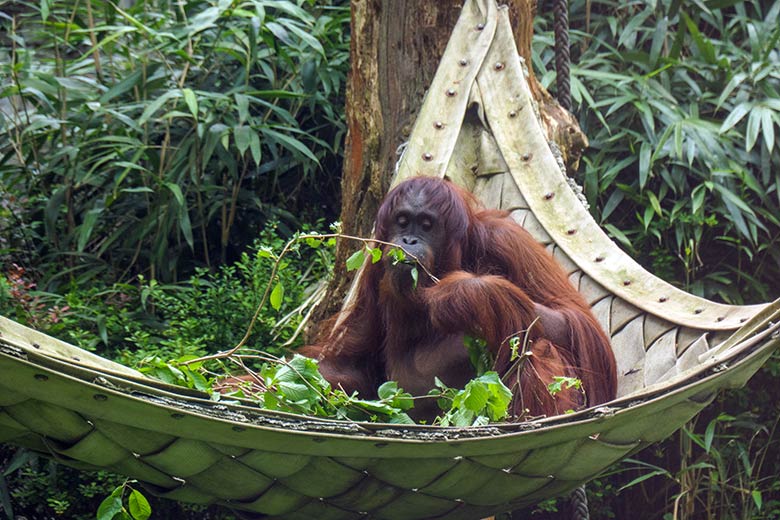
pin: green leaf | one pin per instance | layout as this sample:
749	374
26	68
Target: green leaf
645	152
376	254
242	104
138	506
111	505
735	116
254	147
654	203
756	494
155	105
768	128
130	81
177	194
85	230
415	277
191	101
277	295
644	477
290	143
243	135
355	261
753	126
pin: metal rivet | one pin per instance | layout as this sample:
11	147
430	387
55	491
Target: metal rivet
513	113
742	320
41	377
463	63
526	156
438	125
499	66
451	92
427	156
100	397
698	311
177	416
599	259
480	26
720	318
626	282
571	231
35	345
662	299
76	358
549	196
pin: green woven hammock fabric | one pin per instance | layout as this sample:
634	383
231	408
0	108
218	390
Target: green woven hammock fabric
674	352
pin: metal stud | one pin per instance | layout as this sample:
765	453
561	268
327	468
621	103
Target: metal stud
626	282
438	125
698	311
499	66
599	259
526	156
571	231
427	156
480	26
662	299
451	92
463	62
720	318
549	196
513	114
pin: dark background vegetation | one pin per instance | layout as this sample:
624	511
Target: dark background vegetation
151	150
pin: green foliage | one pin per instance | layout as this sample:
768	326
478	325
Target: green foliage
297	386
149	324
561	383
157	137
680	102
484	399
113	508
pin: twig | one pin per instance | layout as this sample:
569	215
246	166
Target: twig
288	246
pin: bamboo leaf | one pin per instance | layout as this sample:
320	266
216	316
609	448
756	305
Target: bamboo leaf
243	135
155	105
735	116
290	143
86	227
768	128
645	150
753	127
191	101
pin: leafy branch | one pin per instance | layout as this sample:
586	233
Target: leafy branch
275	292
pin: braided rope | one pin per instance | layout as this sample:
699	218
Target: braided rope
578	503
562	56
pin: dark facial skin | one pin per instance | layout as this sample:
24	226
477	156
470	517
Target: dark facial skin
418	230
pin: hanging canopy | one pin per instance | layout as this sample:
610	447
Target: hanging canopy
480	128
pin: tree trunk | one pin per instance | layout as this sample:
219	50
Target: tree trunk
395	50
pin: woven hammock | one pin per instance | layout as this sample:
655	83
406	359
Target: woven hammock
479	127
